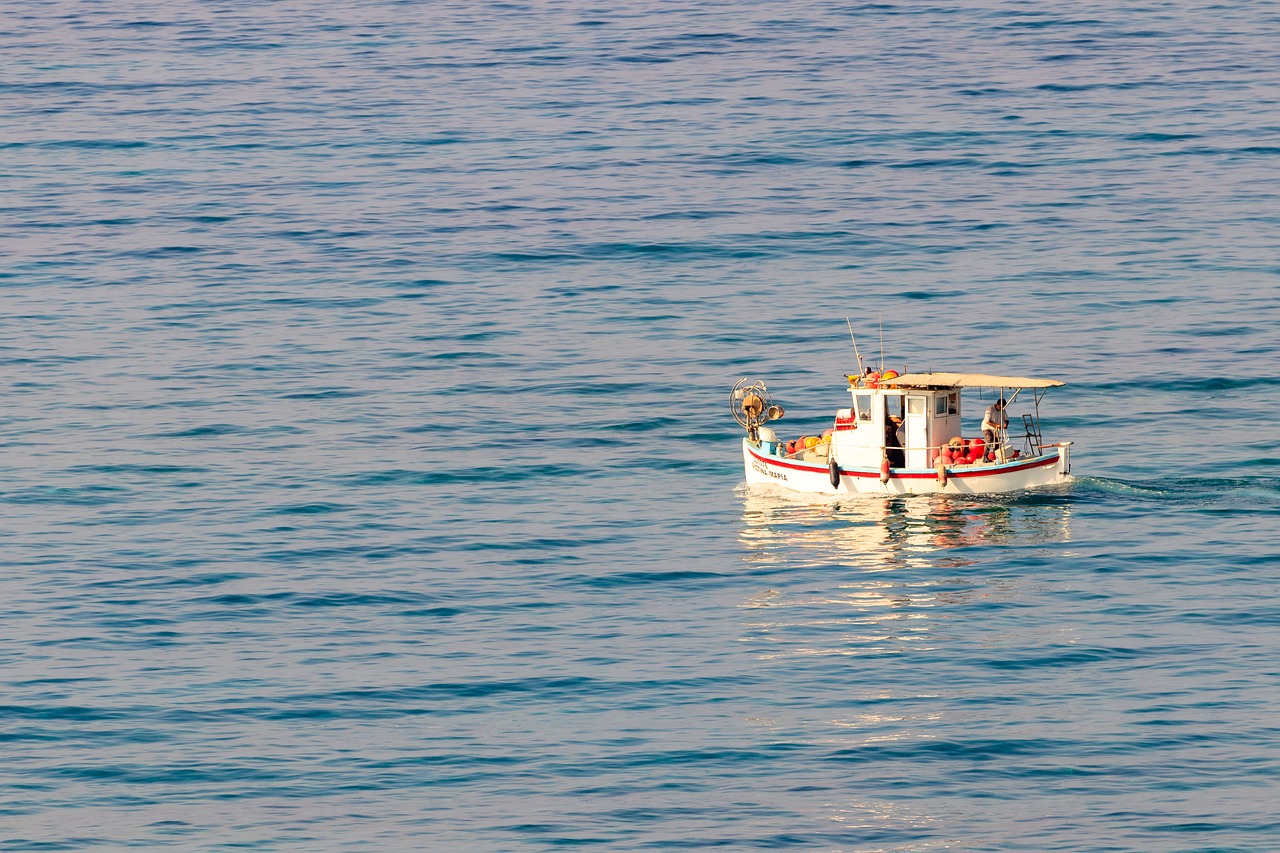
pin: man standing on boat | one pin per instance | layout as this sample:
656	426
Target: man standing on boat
892	444
993	422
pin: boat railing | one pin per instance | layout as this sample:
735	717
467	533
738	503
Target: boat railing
1028	449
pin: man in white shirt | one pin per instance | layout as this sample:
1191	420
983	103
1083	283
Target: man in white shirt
992	422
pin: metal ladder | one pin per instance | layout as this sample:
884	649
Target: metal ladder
1033	435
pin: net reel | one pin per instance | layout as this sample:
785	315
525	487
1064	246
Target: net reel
752	407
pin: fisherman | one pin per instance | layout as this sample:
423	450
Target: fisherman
892	444
993	421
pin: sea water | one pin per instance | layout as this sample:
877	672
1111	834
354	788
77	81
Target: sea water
370	482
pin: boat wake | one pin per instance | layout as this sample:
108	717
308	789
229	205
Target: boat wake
1254	492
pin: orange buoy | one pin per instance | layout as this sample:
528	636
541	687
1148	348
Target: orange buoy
884	470
942	473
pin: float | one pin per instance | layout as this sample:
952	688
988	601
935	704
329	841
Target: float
901	434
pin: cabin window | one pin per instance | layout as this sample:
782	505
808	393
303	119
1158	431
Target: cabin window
864	406
953	403
915	405
893	406
940	405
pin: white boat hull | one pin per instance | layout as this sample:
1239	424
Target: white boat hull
1053	466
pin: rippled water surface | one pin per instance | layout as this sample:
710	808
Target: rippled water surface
370	483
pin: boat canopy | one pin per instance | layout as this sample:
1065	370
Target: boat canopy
968	380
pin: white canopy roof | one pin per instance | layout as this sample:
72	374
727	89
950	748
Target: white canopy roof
968	380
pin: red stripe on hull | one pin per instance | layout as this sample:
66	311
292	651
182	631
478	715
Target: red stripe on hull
961	473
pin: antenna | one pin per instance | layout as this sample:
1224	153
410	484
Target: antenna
882	342
855	344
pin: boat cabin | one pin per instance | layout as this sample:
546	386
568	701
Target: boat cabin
919	420
918	413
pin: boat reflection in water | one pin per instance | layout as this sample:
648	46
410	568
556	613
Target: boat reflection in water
870	533
878	574
875	624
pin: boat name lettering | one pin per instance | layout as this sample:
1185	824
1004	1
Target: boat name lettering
768	472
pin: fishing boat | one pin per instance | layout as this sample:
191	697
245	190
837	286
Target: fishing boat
901	434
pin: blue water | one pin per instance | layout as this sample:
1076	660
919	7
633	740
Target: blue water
369	478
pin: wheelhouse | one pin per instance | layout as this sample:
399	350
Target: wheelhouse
920	413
